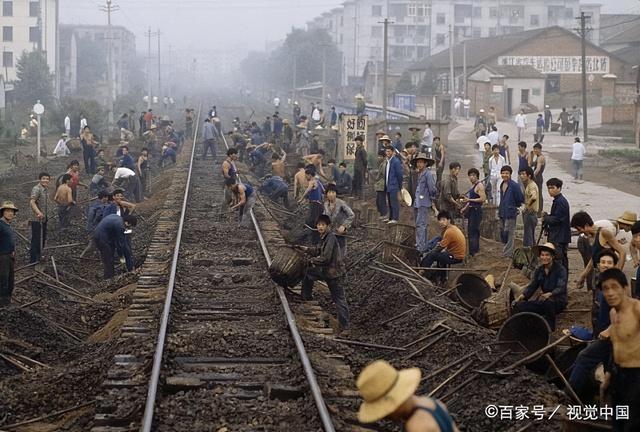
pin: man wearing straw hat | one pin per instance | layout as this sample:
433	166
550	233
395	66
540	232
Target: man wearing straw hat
551	278
425	194
390	393
8	211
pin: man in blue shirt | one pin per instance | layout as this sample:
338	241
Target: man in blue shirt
8	211
393	183
127	161
511	198
210	138
275	188
343	180
558	222
109	237
550	278
424	196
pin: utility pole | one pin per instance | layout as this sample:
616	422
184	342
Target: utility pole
149	35
108	8
324	77
295	75
159	68
452	87
464	67
385	66
583	35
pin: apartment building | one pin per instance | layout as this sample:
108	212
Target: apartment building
419	28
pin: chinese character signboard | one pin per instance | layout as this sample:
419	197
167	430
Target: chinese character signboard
558	64
351	126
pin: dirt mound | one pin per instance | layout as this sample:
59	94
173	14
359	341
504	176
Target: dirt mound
112	329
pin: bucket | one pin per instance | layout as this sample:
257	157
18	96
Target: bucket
407	254
401	234
471	290
528	328
288	267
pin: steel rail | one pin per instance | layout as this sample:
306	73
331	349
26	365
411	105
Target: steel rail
325	417
147	420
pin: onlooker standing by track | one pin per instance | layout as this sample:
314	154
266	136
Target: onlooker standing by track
474	199
577	158
39	203
511	199
530	212
558	222
7	252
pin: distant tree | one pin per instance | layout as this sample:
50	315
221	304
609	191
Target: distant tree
428	84
404	85
34	80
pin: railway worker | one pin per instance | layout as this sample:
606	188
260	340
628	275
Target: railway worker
127	179
602	238
276	189
393	183
299	182
473	200
624	334
246	198
445	250
341	215
210	138
359	167
313	194
389	393
64	199
550	278
142	170
316	160
39	204
8	212
98	181
287	134
109	237
343	180
239	142
327	265
229	172
557	222
599	350
278	167
425	195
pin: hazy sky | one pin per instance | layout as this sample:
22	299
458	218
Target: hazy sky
200	24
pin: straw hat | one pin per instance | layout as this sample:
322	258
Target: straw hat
423	156
384	389
384	138
154	127
549	247
285	121
359	96
413	128
628	218
406	197
8	205
380	132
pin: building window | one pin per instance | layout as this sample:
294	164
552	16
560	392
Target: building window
422	10
7	8
493	12
535	20
376	31
7	34
441	18
477	32
7	59
34	9
440	39
477	12
524	96
376	11
34	34
411	11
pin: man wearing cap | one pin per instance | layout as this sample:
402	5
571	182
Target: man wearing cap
39	204
359	167
8	212
393	183
547	118
327	265
425	194
550	277
558	223
384	141
379	134
390	393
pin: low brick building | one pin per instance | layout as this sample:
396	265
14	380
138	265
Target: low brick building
554	52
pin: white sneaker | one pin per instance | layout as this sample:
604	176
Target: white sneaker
392	221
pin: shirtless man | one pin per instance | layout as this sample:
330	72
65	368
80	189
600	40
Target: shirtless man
316	160
64	199
583	223
624	333
299	182
277	164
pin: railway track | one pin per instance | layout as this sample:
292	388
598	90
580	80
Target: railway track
211	342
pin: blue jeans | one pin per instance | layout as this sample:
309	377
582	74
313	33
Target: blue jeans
394	205
530	222
474	215
598	351
422	218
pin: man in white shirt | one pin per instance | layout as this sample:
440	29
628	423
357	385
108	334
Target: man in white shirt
496	162
276	102
521	124
480	146
493	136
67	125
129	181
577	156
61	148
466	104
427	139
